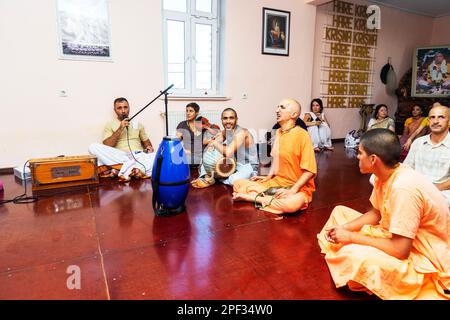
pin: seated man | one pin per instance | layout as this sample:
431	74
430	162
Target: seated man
232	142
126	147
290	183
430	154
400	248
423	129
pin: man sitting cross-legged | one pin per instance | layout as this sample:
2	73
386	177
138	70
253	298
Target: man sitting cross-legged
232	142
399	249
290	183
126	150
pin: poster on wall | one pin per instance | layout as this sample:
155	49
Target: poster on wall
83	29
430	76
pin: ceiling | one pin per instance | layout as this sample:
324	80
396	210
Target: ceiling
432	8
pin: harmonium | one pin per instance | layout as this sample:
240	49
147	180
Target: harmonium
62	172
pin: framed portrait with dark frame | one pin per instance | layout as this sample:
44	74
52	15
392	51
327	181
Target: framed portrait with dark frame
430	73
276	31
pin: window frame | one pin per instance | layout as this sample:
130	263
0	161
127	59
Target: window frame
190	19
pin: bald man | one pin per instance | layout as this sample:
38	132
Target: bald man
421	130
430	154
290	183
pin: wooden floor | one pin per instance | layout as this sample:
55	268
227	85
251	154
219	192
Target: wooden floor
216	250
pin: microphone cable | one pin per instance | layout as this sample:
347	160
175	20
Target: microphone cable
22	199
132	154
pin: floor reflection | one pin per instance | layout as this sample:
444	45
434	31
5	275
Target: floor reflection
351	153
65	202
217	249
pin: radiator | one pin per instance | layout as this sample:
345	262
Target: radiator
175	117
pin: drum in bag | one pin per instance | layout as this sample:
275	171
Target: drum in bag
170	178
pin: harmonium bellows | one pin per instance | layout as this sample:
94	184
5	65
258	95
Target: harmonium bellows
61	172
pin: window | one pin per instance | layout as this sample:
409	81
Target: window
191	46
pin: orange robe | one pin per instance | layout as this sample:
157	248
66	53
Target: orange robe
412	207
292	154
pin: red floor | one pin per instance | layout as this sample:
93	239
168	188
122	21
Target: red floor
216	250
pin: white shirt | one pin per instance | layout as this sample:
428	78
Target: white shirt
432	160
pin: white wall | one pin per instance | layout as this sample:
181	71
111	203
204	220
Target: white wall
38	123
441	33
400	33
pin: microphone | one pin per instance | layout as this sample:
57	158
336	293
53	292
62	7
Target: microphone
125	117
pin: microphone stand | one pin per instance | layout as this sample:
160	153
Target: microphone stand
165	93
165	109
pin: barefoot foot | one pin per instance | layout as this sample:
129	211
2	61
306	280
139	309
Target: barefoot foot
242	197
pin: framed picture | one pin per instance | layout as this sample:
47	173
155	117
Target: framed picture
83	29
430	74
276	30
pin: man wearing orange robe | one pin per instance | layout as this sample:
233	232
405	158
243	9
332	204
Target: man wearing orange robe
399	249
292	171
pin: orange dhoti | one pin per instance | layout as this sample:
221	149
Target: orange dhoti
298	201
365	268
292	155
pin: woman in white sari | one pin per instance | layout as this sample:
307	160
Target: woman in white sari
318	127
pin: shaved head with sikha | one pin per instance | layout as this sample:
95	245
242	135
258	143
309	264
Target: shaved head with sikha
293	106
287	111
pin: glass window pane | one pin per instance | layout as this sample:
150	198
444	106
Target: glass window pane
176	67
175	53
203	5
203	51
177	79
175	5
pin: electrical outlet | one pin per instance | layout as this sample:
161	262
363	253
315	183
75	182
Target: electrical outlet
62	93
244	96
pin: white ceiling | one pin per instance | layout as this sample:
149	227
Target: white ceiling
432	8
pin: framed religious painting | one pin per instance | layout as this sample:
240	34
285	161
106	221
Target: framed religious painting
430	72
276	31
